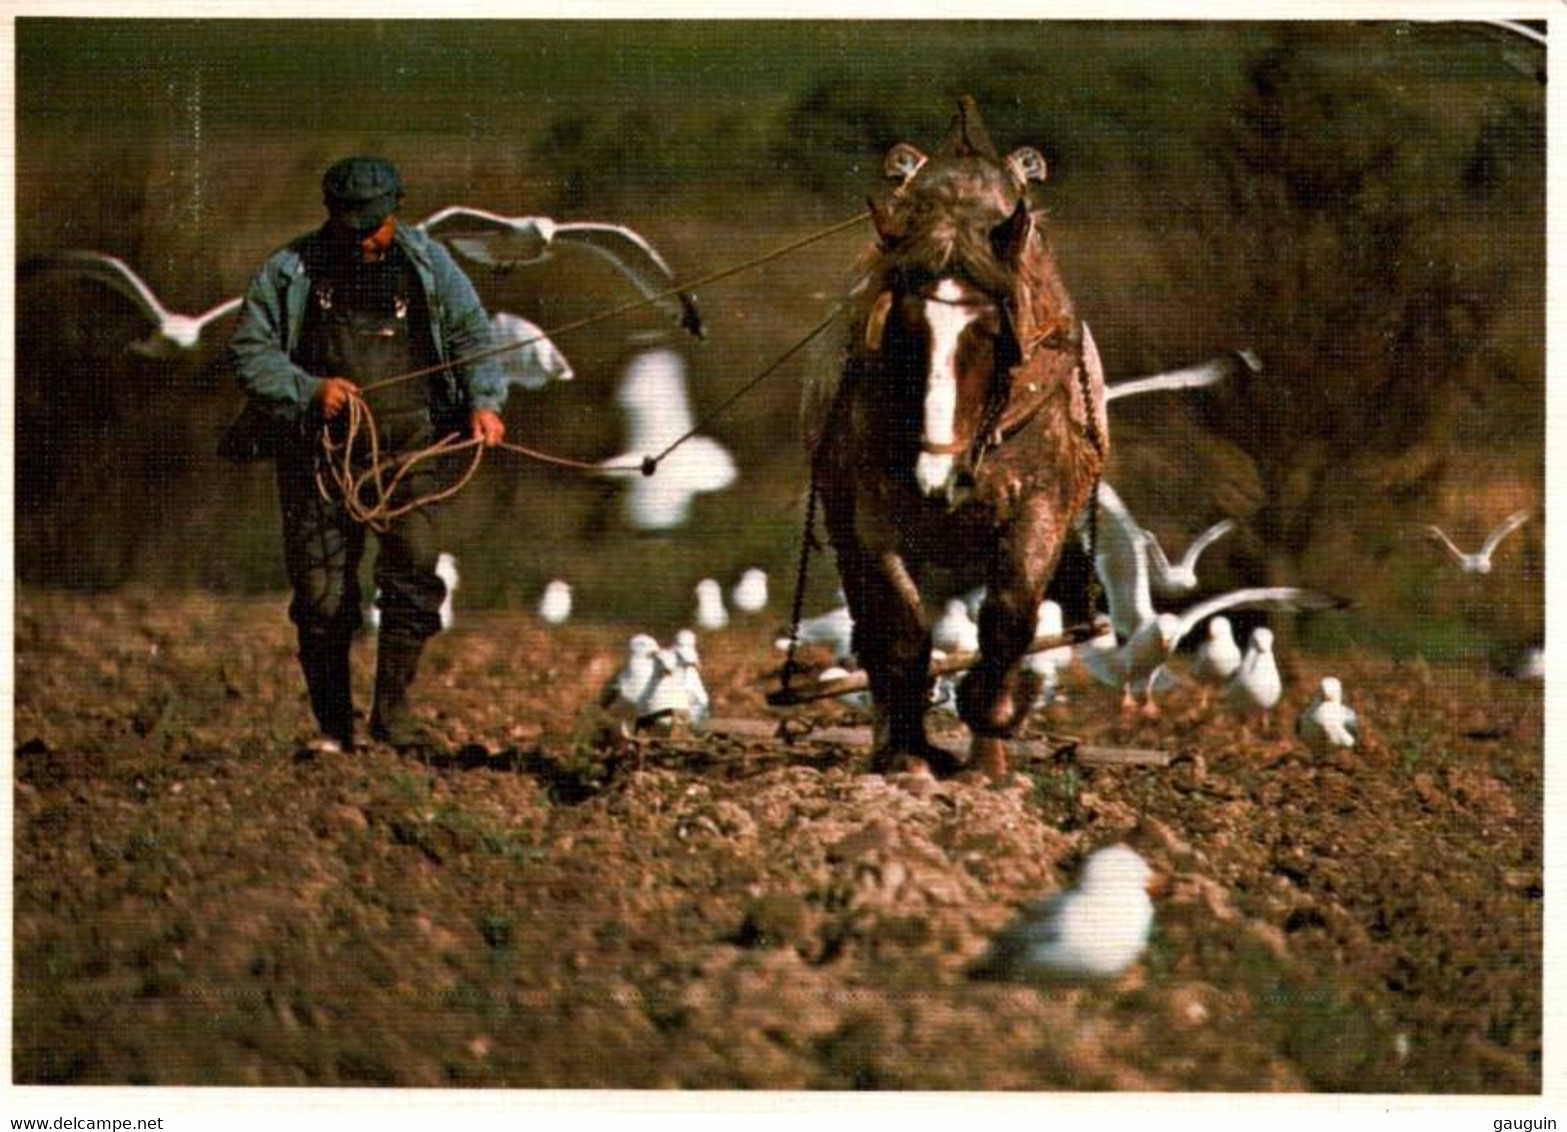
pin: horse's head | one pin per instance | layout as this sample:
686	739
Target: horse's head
955	297
944	349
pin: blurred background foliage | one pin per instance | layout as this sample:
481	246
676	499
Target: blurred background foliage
1361	203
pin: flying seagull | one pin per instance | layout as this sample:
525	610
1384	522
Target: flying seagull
657	406
1181	578
1480	561
1234	363
173	332
531	360
504	242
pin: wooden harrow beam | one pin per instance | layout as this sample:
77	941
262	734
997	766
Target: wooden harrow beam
794	695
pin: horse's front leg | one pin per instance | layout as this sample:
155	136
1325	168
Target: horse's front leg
892	642
995	697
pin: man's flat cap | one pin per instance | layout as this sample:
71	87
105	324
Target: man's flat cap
362	191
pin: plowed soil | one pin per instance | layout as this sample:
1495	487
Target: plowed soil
200	901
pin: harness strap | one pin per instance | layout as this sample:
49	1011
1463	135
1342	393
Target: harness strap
951	448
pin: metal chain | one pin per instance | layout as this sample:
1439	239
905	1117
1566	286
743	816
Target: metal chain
808	543
1095	591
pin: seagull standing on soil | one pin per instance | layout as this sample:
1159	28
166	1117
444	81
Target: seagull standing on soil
653	395
750	592
1047	665
1327	723
555	605
1256	687
1095	931
1217	658
690	671
626	692
955	630
943	695
666	700
446	570
504	242
835	629
710	612
172	334
1480	561
1181	578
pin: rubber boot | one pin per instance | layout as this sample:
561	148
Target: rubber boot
391	721
325	663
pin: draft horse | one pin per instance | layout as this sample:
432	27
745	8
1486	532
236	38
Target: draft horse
964	430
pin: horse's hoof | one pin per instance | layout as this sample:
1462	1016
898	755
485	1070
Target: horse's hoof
988	755
928	760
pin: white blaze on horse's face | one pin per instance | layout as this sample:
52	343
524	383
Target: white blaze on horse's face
947	315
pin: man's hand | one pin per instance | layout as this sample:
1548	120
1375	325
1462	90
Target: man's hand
488	427
332	395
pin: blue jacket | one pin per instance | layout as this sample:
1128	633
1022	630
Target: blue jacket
267	335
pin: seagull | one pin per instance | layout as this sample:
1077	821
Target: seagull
533	361
1218	657
504	242
1047	665
690	671
1181	578
1096	931
555	605
1480	561
943	695
1256	687
665	699
446	570
626	692
750	592
710	612
174	333
853	699
1141	659
1120	560
955	630
1231	364
1149	638
1327	723
835	629
653	395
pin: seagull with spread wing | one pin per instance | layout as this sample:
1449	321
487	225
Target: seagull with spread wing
658	416
504	242
1147	637
172	334
1234	363
1480	561
1181	577
525	354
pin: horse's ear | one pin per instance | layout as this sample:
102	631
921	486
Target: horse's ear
903	161
889	226
1010	237
1027	164
876	321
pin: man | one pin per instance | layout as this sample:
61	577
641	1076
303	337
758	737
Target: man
363	299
